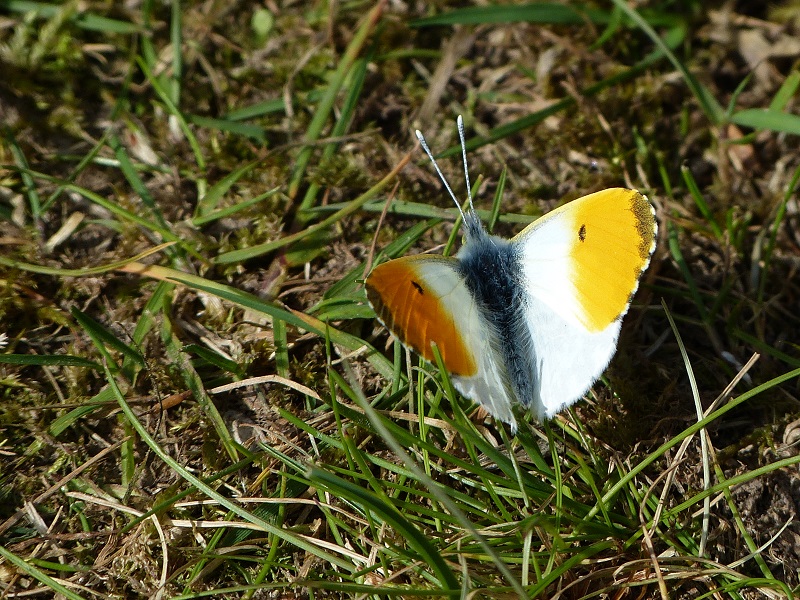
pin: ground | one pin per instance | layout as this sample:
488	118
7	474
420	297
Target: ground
261	143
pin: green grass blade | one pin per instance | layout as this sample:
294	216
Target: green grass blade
710	106
34	202
700	201
359	72
194	382
145	324
677	254
176	41
325	105
765	118
228	211
428	553
780	214
84	20
786	92
300	541
229	125
299	320
49	360
352	207
260	109
174	111
29	569
209	202
58	272
65	421
535	12
138	186
104	338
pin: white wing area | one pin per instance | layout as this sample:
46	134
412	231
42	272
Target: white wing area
545	248
568	357
487	386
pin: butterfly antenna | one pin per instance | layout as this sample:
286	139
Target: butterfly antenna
425	147
460	123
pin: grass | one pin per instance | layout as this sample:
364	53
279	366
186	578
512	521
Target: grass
196	399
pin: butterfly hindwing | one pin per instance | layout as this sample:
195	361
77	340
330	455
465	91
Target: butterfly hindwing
424	299
420	299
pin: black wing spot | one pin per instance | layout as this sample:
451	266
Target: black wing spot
418	287
582	233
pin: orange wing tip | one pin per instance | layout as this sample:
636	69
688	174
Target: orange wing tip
406	301
647	226
615	236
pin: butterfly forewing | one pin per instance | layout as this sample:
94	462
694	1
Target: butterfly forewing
585	258
420	299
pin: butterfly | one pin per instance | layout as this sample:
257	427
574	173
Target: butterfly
532	320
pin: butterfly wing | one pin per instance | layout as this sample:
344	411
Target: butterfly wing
581	265
423	300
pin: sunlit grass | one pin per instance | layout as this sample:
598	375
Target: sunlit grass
185	413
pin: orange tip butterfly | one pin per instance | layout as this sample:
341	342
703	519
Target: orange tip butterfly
532	320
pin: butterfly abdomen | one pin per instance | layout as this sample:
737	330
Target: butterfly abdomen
490	267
